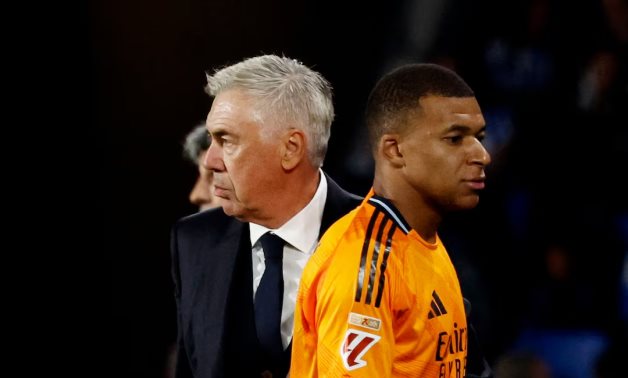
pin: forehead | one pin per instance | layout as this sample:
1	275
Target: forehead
447	111
231	109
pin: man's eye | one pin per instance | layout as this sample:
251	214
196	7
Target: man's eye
456	139
227	144
219	139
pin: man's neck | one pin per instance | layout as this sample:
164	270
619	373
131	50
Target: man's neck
293	196
422	217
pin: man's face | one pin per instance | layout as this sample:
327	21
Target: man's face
443	151
202	194
244	156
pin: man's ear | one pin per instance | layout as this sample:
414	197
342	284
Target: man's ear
389	149
293	149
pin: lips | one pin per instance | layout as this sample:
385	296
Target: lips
476	183
219	192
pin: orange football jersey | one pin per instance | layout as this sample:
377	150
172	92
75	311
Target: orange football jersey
376	300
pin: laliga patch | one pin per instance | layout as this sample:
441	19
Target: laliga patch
354	346
364	321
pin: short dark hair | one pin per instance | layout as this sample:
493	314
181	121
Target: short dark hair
400	90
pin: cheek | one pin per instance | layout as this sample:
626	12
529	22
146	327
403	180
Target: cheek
208	183
249	169
243	171
432	170
422	164
442	163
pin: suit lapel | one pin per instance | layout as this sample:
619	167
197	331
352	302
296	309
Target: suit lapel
221	254
240	341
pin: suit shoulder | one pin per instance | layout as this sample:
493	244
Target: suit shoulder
214	219
337	232
340	195
339	203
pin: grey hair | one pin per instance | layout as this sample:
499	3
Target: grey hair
287	90
196	141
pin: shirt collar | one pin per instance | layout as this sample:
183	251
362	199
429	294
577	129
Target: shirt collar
301	231
385	205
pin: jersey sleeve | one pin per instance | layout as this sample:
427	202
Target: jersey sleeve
344	311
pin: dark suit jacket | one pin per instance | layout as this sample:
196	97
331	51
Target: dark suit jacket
213	277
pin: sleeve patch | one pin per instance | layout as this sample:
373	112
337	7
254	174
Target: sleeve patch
354	346
364	321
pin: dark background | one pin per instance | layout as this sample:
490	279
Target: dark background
543	251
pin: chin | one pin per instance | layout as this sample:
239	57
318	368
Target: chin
467	203
471	204
228	210
232	210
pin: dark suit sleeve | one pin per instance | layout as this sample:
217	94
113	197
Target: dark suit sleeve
182	363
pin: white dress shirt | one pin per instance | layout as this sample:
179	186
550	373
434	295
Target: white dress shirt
301	236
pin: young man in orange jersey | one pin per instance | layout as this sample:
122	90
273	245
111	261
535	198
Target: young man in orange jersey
380	297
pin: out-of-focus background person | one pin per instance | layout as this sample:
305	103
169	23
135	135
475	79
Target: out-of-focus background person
196	144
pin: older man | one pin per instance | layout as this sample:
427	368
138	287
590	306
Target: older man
237	269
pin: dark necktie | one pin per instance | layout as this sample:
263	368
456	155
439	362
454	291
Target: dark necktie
269	297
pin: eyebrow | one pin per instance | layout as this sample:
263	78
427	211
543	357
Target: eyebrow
217	132
462	129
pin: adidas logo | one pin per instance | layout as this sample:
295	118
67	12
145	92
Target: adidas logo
438	308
